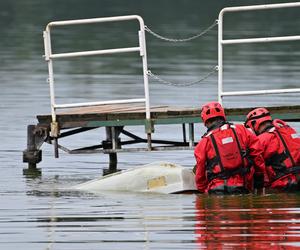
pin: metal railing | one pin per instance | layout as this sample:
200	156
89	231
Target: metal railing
222	42
49	56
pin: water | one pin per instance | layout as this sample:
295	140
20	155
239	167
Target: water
40	214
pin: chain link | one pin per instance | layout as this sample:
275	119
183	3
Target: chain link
159	79
184	39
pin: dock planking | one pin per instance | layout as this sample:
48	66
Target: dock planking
123	115
50	128
115	118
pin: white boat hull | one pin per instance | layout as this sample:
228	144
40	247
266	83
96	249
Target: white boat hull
159	177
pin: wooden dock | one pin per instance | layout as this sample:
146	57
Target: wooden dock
116	115
116	118
124	115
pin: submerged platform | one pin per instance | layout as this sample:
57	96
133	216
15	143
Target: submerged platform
116	115
116	118
124	115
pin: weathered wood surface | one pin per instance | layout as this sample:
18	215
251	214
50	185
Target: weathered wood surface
131	112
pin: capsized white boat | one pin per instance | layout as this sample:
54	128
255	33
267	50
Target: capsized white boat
158	177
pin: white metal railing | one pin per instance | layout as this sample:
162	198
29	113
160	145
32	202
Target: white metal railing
222	42
49	56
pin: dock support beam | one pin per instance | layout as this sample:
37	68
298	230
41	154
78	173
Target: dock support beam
191	135
112	142
32	155
149	129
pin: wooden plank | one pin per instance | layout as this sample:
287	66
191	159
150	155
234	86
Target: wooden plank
100	109
130	112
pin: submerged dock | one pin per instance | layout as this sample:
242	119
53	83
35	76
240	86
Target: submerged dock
117	118
66	120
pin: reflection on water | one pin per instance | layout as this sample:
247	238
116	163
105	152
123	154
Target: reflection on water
73	220
248	221
42	214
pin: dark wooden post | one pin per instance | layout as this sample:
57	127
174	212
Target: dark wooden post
32	155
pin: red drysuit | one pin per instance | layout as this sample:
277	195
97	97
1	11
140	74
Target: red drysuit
232	168
281	146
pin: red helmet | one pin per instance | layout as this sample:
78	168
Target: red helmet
211	110
256	117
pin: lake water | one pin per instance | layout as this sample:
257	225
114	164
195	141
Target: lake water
39	214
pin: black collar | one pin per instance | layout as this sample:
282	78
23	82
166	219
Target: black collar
214	125
266	129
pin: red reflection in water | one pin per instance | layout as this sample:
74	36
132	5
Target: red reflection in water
248	222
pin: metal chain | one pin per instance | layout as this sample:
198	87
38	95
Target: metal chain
159	79
184	39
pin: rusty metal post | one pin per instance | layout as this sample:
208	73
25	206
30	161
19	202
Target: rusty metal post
55	132
149	129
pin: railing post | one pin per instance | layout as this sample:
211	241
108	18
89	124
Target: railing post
54	124
143	53
222	42
49	58
220	57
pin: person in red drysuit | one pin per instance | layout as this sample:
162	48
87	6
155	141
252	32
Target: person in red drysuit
281	145
227	156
